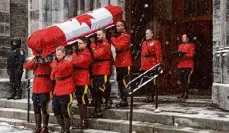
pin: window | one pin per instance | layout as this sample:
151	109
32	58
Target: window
189	8
194	8
203	7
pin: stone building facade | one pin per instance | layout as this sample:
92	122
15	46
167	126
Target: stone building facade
220	88
22	17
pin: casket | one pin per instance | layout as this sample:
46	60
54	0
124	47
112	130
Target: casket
67	32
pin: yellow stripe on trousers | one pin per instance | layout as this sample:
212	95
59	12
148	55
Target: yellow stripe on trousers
105	81
189	76
47	106
84	93
124	80
69	104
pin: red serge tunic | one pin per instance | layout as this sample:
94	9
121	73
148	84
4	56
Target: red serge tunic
187	60
81	63
41	81
102	57
150	54
62	73
123	52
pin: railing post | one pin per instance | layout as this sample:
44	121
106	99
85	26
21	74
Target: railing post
131	112
156	93
28	108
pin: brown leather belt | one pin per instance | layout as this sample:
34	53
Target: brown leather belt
151	55
79	68
63	78
120	51
42	76
102	60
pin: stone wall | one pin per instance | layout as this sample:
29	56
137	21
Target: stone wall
4	34
220	88
13	23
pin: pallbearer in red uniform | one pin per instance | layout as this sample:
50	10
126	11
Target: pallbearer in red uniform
81	58
150	56
101	70
62	74
41	92
123	60
185	65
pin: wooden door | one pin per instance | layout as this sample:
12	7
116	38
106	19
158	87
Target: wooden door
167	35
170	36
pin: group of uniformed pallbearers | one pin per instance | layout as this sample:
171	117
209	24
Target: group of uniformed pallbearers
66	74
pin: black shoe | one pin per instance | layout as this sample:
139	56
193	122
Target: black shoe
149	99
123	103
181	96
185	96
92	104
17	97
10	97
109	104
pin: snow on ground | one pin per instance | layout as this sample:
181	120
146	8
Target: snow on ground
6	128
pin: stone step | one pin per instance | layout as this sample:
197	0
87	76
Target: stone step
5	88
102	125
22	103
169	115
52	127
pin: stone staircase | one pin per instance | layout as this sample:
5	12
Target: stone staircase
191	116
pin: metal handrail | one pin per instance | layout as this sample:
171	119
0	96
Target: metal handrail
28	100
140	86
141	75
143	84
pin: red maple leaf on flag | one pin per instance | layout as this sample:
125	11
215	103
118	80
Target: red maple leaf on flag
85	18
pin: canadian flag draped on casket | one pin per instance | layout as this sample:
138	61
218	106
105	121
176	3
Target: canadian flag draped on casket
67	32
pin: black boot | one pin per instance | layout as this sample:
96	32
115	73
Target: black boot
19	94
92	103
108	101
186	91
123	103
84	124
97	111
38	123
108	104
67	123
13	92
60	121
83	118
181	87
45	118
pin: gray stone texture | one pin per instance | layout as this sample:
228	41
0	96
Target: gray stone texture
220	53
